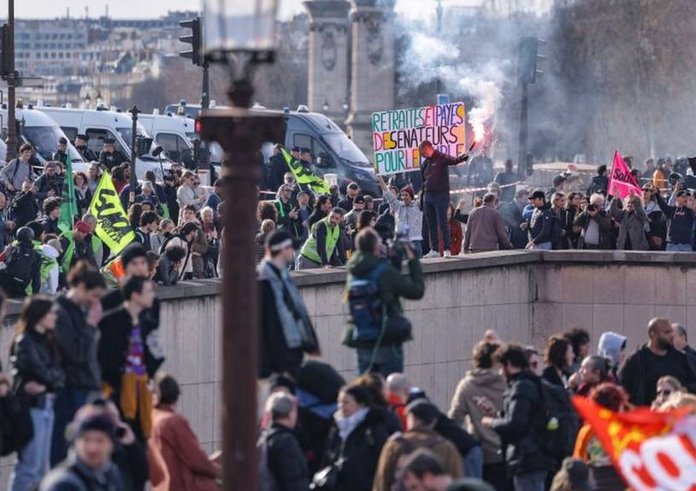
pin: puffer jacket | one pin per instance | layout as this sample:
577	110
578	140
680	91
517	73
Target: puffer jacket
480	382
34	359
522	424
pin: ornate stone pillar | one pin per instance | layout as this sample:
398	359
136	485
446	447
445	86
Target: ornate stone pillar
372	62
328	57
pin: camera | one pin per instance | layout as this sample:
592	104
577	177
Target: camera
398	247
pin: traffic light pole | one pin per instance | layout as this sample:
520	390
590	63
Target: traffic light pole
11	84
133	185
204	160
524	131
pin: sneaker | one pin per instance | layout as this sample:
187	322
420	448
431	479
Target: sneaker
432	254
448	254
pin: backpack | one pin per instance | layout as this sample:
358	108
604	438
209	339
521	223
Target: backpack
560	421
267	481
366	306
18	273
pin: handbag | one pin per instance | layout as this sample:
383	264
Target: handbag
17	426
397	329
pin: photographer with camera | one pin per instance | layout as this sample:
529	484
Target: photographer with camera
407	216
594	225
377	328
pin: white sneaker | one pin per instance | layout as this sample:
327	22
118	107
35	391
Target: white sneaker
448	254
432	254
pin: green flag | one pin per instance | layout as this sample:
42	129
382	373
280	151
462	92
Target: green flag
305	176
68	204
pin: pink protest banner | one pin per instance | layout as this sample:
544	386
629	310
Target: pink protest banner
621	181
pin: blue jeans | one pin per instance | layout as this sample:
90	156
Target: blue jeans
544	246
417	248
679	247
435	206
530	481
473	463
387	360
68	401
32	461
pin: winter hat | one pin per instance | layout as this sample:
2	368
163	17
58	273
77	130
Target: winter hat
82	227
409	189
96	422
425	411
610	344
538	193
132	251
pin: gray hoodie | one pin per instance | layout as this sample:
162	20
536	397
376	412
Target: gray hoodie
610	345
480	382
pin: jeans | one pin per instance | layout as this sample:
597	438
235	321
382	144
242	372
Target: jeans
544	246
32	461
530	481
417	248
679	247
435	206
387	360
68	401
473	463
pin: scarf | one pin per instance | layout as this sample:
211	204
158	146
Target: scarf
346	426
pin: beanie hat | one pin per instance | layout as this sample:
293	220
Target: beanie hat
82	227
96	422
132	251
409	189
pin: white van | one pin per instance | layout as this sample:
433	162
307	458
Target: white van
173	134
43	134
100	124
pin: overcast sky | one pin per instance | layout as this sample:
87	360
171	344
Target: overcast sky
155	8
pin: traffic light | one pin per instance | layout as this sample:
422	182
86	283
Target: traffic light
529	57
5	55
194	39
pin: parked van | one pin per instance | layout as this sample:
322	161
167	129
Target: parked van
43	134
333	151
173	134
100	124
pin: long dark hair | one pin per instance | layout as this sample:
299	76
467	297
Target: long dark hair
34	309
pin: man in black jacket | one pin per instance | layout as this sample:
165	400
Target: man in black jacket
61	153
130	353
436	198
79	312
681	218
286	329
540	225
285	464
81	146
654	360
521	423
600	182
50	184
110	157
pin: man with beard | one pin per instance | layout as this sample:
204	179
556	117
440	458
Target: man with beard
654	360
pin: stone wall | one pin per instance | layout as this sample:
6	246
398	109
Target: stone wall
525	296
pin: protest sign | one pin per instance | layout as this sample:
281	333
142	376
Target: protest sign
396	135
652	450
621	181
113	227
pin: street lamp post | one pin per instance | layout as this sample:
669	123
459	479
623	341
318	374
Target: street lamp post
11	84
134	155
241	34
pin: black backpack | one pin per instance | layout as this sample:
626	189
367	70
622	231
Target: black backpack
18	273
560	420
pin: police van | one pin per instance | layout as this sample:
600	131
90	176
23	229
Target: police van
42	132
173	134
100	124
333	151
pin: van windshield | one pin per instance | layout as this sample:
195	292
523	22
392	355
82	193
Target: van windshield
346	149
45	140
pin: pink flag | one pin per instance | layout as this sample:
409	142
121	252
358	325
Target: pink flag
621	181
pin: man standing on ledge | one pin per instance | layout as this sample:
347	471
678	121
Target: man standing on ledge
436	198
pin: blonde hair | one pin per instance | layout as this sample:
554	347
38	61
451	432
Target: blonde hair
267	226
679	400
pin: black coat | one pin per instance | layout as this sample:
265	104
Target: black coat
33	358
522	424
286	462
77	341
361	452
551	376
25	209
115	329
110	160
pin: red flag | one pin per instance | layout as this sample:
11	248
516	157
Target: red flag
653	451
621	181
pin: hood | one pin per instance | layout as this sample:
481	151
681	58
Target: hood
50	251
360	264
610	344
484	377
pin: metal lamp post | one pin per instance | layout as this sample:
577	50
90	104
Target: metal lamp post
242	35
134	155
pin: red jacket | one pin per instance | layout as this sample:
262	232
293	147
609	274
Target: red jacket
399	408
177	460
